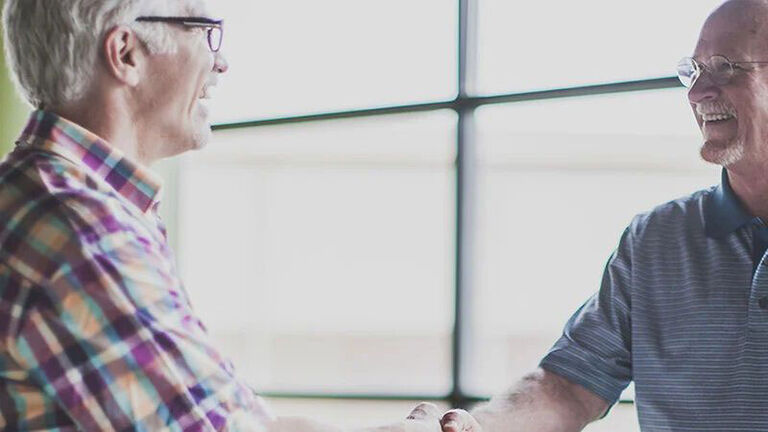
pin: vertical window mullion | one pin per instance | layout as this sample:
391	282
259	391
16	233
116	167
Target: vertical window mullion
464	206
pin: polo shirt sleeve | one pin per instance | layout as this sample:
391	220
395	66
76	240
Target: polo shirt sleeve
595	347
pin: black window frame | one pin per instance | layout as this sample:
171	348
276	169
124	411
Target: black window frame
464	105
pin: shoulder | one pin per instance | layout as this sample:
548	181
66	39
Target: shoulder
51	211
680	216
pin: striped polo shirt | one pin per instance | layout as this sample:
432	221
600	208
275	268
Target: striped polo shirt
683	312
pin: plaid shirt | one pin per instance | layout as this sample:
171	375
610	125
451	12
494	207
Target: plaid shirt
98	333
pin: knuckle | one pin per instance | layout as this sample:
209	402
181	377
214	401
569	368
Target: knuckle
428	408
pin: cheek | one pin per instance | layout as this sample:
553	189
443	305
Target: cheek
196	75
165	88
755	102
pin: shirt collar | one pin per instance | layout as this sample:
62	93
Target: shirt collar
723	212
60	136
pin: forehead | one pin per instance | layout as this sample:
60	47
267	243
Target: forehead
195	7
735	29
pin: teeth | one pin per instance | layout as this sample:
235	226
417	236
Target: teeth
716	117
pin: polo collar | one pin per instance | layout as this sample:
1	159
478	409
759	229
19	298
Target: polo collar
723	211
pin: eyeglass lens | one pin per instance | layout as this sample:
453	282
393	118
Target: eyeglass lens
687	71
720	70
215	36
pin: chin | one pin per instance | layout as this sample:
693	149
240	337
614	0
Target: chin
722	153
201	137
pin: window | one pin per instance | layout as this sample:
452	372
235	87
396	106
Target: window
385	239
337	247
556	188
293	57
543	45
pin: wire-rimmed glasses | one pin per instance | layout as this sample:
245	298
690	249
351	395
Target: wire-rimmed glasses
720	69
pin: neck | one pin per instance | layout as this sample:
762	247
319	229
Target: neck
111	121
751	186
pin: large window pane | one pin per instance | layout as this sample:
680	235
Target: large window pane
328	262
550	44
292	57
558	182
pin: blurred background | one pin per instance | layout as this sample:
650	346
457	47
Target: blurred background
405	200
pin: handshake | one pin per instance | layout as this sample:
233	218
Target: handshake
542	401
426	417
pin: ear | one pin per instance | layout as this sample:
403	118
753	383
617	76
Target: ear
124	55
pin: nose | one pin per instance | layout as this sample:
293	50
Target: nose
703	89
220	64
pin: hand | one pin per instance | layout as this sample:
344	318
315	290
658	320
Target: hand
425	411
424	418
459	421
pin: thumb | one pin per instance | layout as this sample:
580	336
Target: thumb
459	420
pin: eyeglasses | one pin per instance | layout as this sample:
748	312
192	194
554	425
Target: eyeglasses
720	69
213	28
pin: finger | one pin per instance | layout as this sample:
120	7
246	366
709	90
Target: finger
459	421
424	411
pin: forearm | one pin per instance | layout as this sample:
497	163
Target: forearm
542	401
294	424
403	426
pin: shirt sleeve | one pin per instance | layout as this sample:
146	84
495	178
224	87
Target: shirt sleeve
112	340
595	347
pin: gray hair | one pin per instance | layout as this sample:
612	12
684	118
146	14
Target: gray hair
52	46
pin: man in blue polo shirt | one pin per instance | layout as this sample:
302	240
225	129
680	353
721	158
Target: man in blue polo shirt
683	307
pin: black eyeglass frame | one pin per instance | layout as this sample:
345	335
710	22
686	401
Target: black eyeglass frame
699	67
202	22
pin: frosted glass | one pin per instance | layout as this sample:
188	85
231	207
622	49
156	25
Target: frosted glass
557	182
293	57
533	45
321	255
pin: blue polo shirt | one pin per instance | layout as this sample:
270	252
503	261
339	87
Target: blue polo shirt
683	312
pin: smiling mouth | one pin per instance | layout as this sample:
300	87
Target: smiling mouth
717	117
206	94
204	99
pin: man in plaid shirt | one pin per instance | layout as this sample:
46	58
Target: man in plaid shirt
98	333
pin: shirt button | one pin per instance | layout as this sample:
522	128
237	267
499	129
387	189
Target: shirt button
763	302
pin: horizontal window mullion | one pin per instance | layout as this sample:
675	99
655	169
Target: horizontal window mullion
462	102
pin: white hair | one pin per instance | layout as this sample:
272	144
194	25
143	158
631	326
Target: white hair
52	46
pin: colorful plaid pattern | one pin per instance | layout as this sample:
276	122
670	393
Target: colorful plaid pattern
98	333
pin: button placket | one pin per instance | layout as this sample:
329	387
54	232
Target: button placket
758	301
762	302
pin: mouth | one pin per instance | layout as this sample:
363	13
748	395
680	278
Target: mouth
717	117
715	112
205	97
206	93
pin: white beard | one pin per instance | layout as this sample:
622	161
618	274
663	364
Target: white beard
202	136
724	157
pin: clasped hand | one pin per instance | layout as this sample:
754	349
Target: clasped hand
426	417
